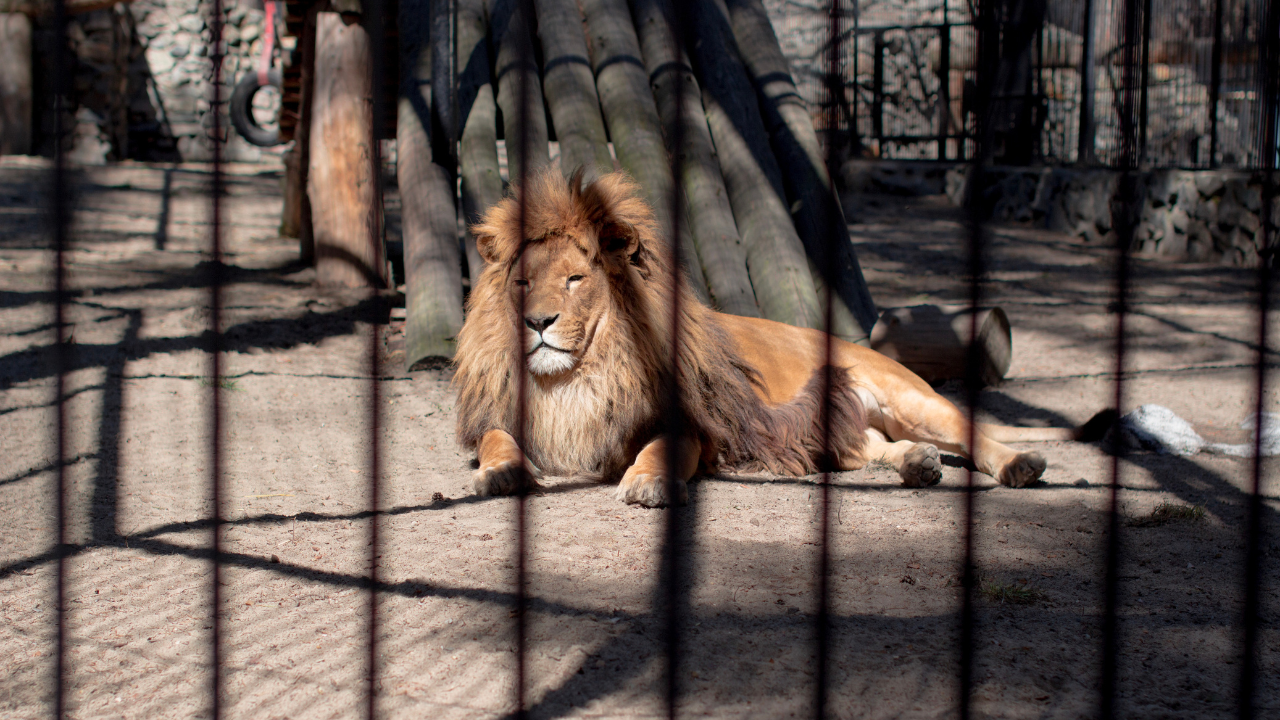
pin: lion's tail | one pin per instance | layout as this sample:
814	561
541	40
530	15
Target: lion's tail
790	438
1091	431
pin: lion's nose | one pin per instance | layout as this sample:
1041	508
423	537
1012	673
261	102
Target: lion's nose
540	324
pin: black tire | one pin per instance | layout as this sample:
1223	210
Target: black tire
242	110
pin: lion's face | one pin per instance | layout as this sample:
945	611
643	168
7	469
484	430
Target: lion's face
565	297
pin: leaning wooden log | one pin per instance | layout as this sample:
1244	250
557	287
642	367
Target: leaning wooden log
570	89
516	66
15	84
706	204
632	117
933	341
776	258
815	209
302	135
428	221
346	209
477	112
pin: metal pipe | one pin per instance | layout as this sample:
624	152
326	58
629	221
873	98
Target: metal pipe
1085	152
1215	83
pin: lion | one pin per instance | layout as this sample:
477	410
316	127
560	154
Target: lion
597	286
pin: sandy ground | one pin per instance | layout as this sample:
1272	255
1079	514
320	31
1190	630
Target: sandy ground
296	452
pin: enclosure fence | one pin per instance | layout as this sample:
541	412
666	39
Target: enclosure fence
1119	83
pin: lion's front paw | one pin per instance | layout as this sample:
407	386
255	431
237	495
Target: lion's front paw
1024	469
921	466
650	490
505	478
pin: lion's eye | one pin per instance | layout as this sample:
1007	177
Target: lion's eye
575	278
522	282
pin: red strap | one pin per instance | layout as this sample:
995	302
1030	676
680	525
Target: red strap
268	47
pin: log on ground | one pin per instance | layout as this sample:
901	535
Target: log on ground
933	341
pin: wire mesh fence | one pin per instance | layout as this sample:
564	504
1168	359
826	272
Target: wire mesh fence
1192	84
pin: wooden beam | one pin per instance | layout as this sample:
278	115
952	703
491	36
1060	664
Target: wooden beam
570	89
346	212
706	204
632	117
815	210
516	65
776	258
478	113
15	84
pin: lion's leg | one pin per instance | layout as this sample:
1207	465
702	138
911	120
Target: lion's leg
916	462
500	472
645	482
935	420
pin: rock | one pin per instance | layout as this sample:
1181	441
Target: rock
250	32
191	23
159	61
230	34
180	49
1157	428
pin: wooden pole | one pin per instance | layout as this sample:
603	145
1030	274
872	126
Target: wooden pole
707	213
513	37
815	210
344	198
776	258
481	181
428	220
302	136
570	89
15	84
632	117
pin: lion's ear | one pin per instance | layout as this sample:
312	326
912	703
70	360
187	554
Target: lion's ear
486	243
618	238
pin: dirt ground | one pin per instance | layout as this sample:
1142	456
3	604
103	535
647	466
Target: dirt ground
295	458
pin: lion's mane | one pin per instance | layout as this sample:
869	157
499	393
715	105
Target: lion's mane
595	421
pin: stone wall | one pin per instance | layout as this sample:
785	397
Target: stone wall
143	81
1196	215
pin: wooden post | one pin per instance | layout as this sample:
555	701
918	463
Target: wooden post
15	84
429	220
815	210
510	31
632	116
778	266
340	183
706	204
570	89
481	181
302	137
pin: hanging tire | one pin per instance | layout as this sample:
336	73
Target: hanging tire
242	109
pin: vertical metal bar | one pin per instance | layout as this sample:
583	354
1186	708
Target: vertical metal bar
1269	80
1215	82
877	85
987	28
375	25
944	87
59	215
1146	72
1124	209
215	280
524	94
670	580
1088	90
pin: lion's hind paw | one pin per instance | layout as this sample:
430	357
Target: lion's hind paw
1024	469
921	466
650	491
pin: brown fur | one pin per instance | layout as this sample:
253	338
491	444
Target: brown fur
594	419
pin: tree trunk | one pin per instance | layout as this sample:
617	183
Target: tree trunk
15	84
517	66
341	182
481	182
776	258
570	90
627	102
428	218
815	209
705	201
